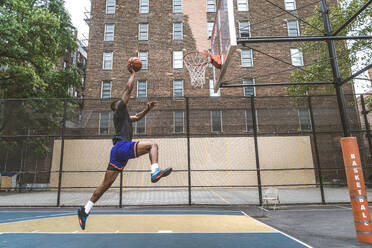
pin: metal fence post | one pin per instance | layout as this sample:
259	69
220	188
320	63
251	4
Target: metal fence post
188	147
62	150
318	169
121	190
253	109
366	123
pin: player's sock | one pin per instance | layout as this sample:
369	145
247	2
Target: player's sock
88	207
154	168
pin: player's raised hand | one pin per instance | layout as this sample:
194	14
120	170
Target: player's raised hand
150	105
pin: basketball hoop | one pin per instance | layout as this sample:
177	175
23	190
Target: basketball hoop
196	63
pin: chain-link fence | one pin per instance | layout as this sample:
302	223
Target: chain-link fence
223	150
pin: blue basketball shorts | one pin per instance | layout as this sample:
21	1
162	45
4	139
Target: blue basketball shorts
121	152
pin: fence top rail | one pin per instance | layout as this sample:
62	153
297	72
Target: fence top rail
177	98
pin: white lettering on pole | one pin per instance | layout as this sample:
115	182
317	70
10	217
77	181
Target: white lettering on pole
352	156
358	185
357	177
354	163
360	191
356	170
364	215
361	200
362	207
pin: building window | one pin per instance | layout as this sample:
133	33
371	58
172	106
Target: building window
249	91
242	5
244	29
106	89
177	6
109	32
144	6
304	117
249	121
177	59
216	117
293	29
141	126
296	57
178	121
104	119
107	60
144	57
211	5
178	88
290	4
177	31
247	60
141	89
110	6
211	89
143	31
210	29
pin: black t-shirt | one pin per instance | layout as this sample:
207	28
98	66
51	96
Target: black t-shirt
122	123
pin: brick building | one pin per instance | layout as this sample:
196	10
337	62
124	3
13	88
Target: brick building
160	32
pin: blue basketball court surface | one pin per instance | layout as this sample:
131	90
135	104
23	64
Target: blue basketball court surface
133	228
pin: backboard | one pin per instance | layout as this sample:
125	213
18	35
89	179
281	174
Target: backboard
223	40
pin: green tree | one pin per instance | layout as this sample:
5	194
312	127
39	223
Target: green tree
347	53
34	35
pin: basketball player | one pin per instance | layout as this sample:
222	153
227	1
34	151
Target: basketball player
124	149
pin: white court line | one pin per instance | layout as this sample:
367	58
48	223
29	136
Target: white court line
134	232
75	231
348	208
165	231
289	236
31	218
117	231
264	209
35	231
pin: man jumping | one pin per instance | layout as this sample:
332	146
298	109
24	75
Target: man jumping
124	149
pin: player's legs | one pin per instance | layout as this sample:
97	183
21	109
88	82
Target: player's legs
108	180
153	150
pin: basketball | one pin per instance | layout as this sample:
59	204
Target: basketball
134	63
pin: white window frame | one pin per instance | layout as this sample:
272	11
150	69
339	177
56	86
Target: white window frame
142	120
246	121
143	34
107	35
102	83
108	123
107	55
241	31
174	88
177	59
144	6
243	59
290	4
174	31
183	121
242	5
299	119
138	83
244	88
110	9
297	28
296	55
211	89
221	131
144	57
210	29
211	6
177	6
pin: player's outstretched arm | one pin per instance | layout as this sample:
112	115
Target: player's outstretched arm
128	88
140	115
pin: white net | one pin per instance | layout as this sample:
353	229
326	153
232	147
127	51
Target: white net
196	63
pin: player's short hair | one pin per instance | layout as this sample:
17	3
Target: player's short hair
113	105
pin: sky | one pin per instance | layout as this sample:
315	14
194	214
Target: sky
76	8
